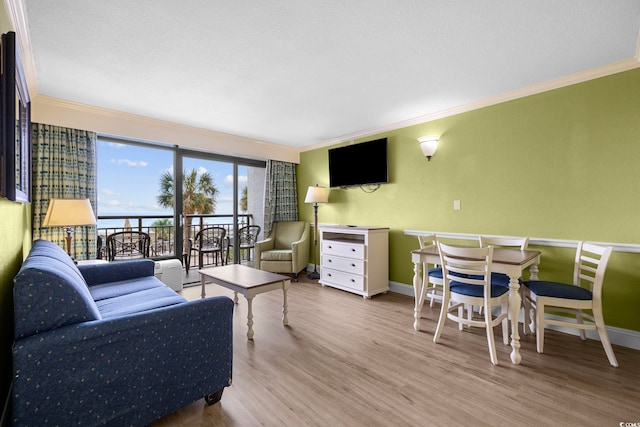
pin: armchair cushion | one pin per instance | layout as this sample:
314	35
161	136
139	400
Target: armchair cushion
277	255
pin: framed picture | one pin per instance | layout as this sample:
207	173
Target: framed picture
16	124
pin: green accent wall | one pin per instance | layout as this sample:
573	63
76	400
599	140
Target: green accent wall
562	164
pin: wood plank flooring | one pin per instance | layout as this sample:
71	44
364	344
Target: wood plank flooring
347	361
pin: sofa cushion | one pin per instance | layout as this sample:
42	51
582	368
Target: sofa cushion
277	255
133	296
50	292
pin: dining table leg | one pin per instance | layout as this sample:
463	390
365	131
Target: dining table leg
514	313
417	291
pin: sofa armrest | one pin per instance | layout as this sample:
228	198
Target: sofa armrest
262	246
129	369
96	274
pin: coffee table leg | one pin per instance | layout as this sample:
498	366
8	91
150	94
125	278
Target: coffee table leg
203	293
235	297
285	309
249	318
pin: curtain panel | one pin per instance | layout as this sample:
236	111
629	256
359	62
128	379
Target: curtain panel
63	167
281	194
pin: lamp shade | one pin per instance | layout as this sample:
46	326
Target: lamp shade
428	144
316	194
69	212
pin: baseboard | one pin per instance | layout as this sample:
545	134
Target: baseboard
618	336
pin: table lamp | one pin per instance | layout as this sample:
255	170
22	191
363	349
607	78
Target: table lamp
315	195
69	213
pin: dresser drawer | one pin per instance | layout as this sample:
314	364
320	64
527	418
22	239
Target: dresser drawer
340	278
351	250
348	265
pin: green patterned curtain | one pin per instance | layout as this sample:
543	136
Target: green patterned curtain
281	194
63	167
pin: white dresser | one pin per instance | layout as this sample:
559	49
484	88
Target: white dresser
355	259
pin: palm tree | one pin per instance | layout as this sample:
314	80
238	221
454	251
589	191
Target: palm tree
199	195
244	200
161	227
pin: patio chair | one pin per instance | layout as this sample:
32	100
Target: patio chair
128	245
247	238
209	240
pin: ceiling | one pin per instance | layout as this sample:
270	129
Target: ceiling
301	73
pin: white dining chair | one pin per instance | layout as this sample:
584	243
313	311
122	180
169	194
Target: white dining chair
432	281
585	293
467	283
520	243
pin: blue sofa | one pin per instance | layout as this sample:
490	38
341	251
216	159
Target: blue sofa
109	344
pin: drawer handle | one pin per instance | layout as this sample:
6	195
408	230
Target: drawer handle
329	274
330	247
353	265
353	249
353	281
329	260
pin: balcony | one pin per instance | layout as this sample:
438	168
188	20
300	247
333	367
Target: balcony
161	231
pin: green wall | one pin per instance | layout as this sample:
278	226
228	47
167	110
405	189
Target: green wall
561	164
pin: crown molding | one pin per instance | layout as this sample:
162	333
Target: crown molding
583	76
18	19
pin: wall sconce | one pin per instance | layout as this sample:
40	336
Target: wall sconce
428	144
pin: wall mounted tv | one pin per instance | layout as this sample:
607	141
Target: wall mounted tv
359	164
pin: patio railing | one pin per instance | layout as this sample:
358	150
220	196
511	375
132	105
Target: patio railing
162	233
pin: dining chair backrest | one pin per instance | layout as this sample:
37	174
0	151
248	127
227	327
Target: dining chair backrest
426	240
590	265
505	242
466	265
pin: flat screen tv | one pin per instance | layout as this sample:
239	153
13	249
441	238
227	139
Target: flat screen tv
359	164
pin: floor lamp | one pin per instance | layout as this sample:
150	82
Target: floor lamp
69	213
315	195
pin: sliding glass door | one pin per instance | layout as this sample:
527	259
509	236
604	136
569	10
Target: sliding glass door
130	194
139	190
223	193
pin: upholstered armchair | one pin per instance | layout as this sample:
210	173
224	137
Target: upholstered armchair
286	250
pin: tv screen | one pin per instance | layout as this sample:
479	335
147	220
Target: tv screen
359	164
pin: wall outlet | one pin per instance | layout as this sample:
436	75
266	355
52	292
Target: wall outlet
456	205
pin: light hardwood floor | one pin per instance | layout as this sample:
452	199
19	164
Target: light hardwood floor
347	361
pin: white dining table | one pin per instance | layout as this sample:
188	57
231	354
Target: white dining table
511	262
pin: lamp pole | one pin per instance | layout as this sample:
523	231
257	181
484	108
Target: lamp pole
315	275
315	195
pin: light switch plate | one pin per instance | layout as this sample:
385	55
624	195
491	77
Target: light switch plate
456	205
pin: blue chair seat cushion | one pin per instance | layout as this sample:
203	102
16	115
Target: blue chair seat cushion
543	288
437	273
476	290
500	279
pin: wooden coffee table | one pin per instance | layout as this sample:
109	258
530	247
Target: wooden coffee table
248	282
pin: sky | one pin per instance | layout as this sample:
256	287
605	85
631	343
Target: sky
129	179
